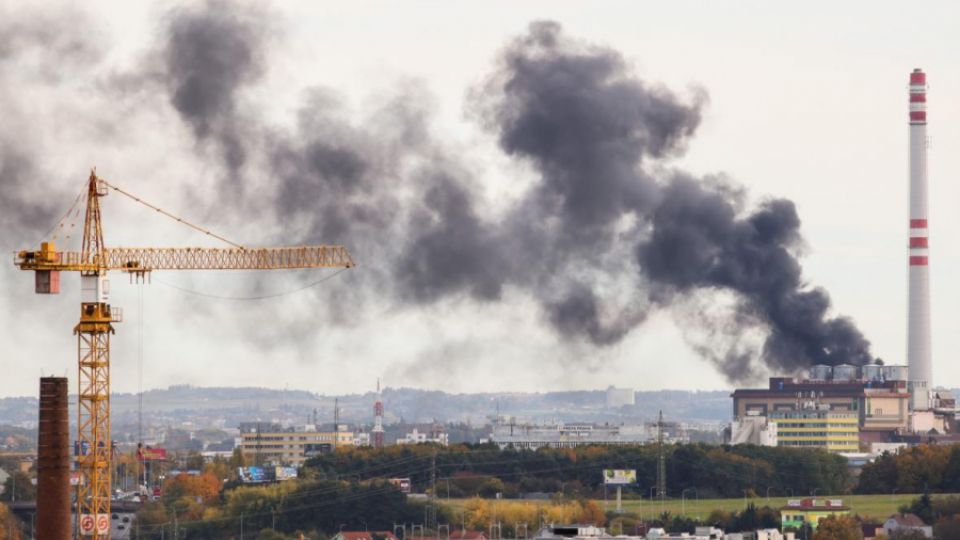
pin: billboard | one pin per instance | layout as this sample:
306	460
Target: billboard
256	475
76	478
285	473
251	475
402	483
151	454
619	477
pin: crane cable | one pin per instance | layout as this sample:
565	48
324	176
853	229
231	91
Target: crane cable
60	222
171	216
262	297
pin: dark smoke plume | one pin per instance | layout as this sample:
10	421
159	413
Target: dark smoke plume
601	237
701	239
211	54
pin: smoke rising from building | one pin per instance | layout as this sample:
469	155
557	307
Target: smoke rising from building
597	212
604	234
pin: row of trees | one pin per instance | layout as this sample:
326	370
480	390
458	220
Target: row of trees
469	470
480	514
197	507
913	470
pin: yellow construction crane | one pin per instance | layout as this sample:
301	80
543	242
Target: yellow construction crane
97	316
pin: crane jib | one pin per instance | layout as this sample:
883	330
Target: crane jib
149	259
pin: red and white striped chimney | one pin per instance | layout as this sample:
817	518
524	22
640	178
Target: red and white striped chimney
918	317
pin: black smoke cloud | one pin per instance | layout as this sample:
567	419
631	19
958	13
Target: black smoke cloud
701	239
211	54
604	235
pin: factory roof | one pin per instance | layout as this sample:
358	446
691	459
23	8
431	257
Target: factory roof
780	386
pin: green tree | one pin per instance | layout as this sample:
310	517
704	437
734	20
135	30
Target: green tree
922	506
237	460
194	461
19	487
150	518
951	475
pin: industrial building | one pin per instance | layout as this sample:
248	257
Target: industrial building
891	403
876	395
508	434
272	444
834	431
873	400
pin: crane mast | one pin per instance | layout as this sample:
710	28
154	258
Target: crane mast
94	446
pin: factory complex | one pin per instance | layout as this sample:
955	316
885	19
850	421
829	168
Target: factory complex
846	408
841	409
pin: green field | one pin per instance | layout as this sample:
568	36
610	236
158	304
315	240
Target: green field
875	506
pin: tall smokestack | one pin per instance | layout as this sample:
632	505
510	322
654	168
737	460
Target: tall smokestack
918	318
53	461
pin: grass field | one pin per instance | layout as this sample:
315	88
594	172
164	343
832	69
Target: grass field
875	506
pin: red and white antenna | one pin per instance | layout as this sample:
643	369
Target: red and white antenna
378	419
918	317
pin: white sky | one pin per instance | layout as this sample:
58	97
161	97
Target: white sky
807	101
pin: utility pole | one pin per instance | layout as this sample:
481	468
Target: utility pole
661	463
432	505
336	422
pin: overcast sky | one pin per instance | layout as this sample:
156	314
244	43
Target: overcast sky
802	102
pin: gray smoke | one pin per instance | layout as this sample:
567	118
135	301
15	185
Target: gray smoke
602	236
53	47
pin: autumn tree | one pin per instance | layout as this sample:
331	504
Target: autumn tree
838	528
10	527
204	486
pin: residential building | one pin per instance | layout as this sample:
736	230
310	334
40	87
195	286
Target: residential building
905	523
799	512
291	446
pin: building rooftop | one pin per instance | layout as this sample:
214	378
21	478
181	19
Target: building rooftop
810	504
907	520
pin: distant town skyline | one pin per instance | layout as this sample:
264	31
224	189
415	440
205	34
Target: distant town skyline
789	104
